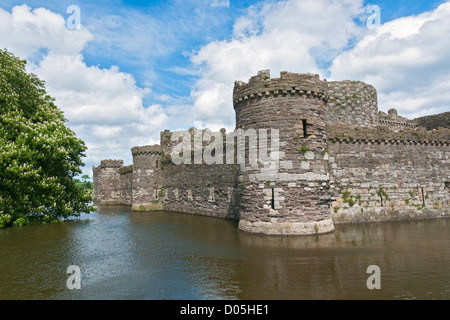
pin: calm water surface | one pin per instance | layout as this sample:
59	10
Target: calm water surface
131	255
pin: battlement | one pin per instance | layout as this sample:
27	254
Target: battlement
289	83
111	164
382	134
390	123
392	119
154	149
166	135
201	140
127	169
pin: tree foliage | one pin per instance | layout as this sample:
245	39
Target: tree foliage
39	154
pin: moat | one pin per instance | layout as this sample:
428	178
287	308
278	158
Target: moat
164	255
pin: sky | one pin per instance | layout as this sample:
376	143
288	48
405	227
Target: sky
123	71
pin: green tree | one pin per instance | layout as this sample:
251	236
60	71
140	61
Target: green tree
84	183
39	154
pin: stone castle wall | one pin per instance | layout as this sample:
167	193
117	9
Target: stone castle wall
339	160
199	188
389	178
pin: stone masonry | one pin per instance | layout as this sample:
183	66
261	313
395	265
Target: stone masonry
338	160
294	197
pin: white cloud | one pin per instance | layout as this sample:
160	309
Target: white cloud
106	102
104	106
220	3
92	95
407	60
273	35
25	31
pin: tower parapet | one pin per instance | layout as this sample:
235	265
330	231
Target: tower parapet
111	164
293	196
146	150
262	85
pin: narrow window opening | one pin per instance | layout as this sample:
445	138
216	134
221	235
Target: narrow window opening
423	197
273	199
156	163
305	128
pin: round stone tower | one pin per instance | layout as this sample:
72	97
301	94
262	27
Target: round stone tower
285	188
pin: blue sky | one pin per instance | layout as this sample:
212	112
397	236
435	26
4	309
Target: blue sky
135	68
180	28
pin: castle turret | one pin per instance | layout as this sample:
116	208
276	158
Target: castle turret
147	178
352	103
106	178
291	195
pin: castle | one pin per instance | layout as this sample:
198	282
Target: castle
337	160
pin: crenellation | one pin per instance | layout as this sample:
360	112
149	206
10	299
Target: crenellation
111	163
288	84
339	160
385	134
392	119
152	150
125	170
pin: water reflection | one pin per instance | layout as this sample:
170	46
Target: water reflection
161	255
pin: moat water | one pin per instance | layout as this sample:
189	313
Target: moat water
130	255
